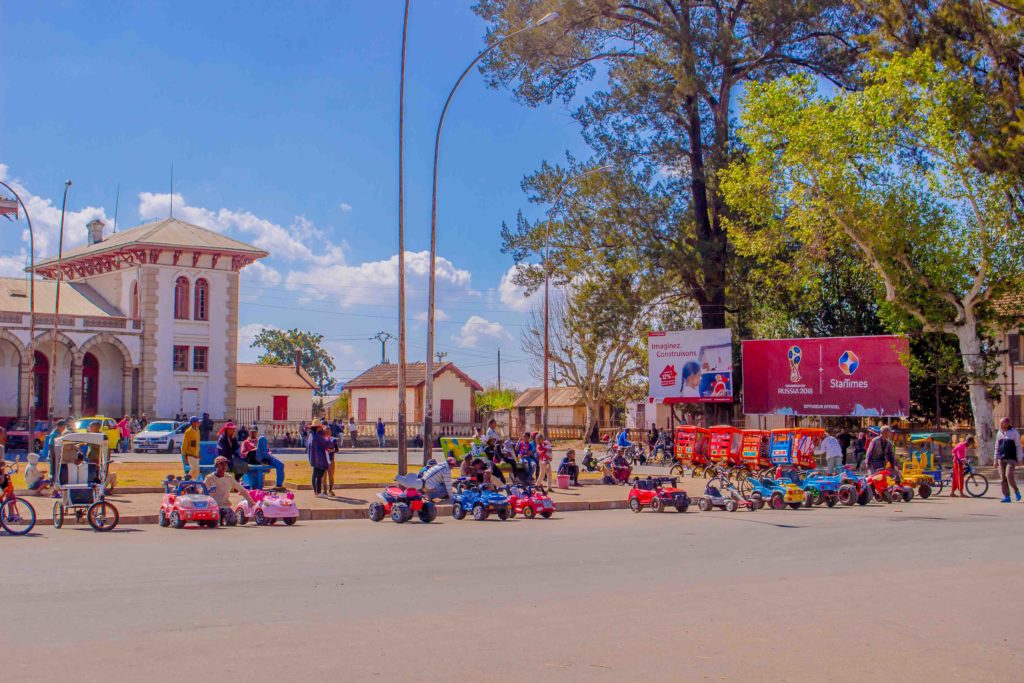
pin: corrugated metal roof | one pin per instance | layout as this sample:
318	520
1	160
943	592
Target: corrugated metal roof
386	375
75	298
558	397
259	375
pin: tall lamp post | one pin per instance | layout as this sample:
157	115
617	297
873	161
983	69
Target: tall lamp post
547	284
31	313
56	309
428	389
403	454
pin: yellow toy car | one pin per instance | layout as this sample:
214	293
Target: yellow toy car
913	476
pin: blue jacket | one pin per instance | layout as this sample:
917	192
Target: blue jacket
316	450
623	440
262	449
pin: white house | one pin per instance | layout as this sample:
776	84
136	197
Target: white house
374	394
279	393
148	324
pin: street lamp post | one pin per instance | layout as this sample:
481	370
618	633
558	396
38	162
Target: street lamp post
547	285
56	310
31	314
403	454
428	388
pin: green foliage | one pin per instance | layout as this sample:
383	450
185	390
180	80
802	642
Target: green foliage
279	348
493	399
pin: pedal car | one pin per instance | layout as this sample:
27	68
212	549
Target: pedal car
885	488
854	489
657	493
729	500
914	476
187	501
401	500
529	501
776	494
268	507
822	488
82	462
480	500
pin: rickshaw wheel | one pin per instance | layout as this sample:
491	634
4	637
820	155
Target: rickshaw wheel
103	516
58	515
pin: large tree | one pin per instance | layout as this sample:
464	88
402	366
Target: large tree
663	76
889	171
279	348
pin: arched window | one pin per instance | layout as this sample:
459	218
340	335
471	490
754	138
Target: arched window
202	305
181	298
133	305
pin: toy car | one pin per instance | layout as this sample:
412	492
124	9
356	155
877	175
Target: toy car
885	488
187	501
854	487
776	494
915	477
657	493
268	507
529	501
401	500
822	488
729	500
481	501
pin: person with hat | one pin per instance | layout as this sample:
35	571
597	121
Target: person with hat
317	448
190	449
257	450
220	484
227	447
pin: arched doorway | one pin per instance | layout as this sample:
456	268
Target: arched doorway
42	388
90	384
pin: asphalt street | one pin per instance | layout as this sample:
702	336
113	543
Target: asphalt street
925	591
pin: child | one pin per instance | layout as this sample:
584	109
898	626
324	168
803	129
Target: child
34	480
959	465
544	459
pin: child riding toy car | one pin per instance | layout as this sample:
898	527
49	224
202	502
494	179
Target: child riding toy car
529	501
402	500
268	507
657	493
187	501
480	499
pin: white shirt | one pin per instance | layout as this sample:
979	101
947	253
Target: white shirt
492	434
832	447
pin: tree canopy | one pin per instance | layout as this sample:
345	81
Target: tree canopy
279	348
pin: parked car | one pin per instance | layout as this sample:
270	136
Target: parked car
108	426
164	436
18	434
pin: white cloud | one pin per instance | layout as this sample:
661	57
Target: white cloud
291	243
512	295
476	329
439	316
345	207
259	275
13	266
246	335
348	360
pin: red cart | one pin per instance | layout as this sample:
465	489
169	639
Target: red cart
691	449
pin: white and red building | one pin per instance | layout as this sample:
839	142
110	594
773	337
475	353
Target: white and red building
374	394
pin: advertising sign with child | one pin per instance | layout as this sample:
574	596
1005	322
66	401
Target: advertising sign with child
690	366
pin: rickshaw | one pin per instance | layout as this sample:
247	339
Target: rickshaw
755	450
725	449
795	446
926	459
691	448
82	485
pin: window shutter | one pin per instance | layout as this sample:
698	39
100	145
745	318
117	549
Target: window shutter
1014	344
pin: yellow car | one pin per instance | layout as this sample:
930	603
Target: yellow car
108	426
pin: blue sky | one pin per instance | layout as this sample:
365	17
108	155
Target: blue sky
281	122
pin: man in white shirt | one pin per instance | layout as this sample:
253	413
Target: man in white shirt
833	453
492	432
1008	454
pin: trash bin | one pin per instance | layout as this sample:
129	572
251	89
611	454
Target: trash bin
563	481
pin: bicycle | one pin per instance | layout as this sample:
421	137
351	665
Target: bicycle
975	483
661	452
17	516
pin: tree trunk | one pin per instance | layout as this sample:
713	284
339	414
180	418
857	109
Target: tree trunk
591	420
981	404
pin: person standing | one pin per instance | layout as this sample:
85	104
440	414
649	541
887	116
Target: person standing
492	432
833	453
845	440
880	452
317	447
1008	453
353	429
205	427
380	433
190	448
544	458
125	441
960	466
860	448
57	432
143	422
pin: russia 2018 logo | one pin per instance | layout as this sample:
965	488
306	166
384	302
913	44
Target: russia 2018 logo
848	363
795	355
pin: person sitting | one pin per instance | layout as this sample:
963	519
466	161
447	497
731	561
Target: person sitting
437	480
617	470
263	456
495	459
220	484
34	479
622	441
589	461
569	466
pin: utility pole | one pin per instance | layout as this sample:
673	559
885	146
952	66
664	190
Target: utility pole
403	453
499	369
383	338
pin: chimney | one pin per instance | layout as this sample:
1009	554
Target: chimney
95	229
298	360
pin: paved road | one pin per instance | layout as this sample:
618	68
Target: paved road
929	590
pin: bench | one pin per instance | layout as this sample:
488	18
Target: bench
253	479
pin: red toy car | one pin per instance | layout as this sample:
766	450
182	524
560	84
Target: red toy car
529	501
658	493
187	501
401	500
885	488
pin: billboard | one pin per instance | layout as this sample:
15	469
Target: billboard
691	366
832	376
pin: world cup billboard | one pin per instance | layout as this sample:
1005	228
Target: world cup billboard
690	366
832	376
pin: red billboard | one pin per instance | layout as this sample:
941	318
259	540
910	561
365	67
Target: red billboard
832	376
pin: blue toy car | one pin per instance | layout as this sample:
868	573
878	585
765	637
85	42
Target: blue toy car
481	501
776	494
823	488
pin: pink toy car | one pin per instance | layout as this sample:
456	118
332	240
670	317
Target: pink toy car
269	507
187	501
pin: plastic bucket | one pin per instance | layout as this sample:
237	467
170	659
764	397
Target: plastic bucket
563	481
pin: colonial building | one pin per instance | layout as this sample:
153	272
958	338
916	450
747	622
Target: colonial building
273	393
374	394
148	324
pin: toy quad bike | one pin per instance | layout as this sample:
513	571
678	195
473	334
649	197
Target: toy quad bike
885	488
821	488
529	501
481	501
400	501
778	494
854	488
657	493
727	499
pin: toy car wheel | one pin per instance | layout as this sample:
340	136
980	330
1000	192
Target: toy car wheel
908	494
756	502
924	491
58	515
259	517
400	513
847	495
240	515
426	514
818	499
176	520
682	507
529	512
291	520
796	506
777	501
214	523
230	518
102	516
161	519
731	505
657	504
864	498
376	512
831	501
503	513
458	512
547	514
808	499
887	495
704	504
480	513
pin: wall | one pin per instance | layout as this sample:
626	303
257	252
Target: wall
1011	379
382	403
10	369
449	386
300	402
